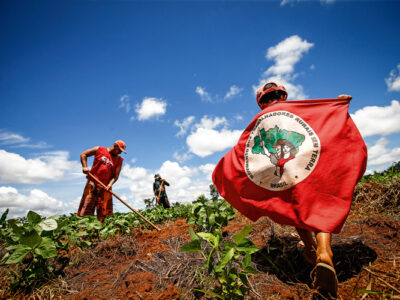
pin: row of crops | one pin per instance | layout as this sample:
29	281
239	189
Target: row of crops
37	248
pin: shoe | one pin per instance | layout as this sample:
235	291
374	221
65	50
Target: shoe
325	282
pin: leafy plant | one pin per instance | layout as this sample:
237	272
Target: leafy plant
34	246
229	263
209	215
39	248
391	173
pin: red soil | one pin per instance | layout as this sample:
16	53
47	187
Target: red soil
149	265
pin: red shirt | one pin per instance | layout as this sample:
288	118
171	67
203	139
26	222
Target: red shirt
104	165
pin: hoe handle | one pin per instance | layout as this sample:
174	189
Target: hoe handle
116	196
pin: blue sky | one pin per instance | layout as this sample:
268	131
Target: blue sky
175	80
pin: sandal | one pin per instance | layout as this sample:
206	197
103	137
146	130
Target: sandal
325	281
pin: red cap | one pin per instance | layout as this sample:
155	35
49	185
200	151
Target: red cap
261	92
121	145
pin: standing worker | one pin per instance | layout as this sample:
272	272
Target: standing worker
270	184
106	167
159	191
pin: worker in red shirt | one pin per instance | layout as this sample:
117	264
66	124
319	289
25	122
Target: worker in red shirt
106	167
315	251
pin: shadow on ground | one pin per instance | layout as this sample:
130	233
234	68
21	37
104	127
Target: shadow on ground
282	259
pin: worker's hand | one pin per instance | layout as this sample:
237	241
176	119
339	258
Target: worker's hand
85	170
163	180
345	97
109	187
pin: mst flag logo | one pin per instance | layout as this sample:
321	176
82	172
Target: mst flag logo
282	150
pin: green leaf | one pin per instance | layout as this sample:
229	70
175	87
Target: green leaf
246	260
226	257
247	246
62	224
15	228
193	234
193	246
33	218
209	237
369	292
18	255
85	243
48	224
4	216
251	270
210	262
211	219
47	248
241	235
30	239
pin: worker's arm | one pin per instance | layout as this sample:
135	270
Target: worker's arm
115	178
84	156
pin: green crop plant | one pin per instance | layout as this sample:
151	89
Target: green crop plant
229	263
209	215
36	248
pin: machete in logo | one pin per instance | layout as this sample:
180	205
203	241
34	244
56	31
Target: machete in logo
282	150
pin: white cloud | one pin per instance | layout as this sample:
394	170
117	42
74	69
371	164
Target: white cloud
207	139
184	125
125	103
286	55
393	81
207	169
209	123
233	91
203	94
206	97
139	181
48	166
378	120
150	108
204	142
239	117
15	140
380	155
182	157
37	200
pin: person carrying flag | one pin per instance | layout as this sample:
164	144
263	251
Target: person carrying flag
283	165
106	167
159	191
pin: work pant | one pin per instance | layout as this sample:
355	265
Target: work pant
164	201
95	198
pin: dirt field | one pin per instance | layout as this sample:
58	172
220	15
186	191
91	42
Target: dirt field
149	264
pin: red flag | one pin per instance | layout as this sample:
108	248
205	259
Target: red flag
297	163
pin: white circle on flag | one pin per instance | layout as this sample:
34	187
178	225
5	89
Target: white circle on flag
282	150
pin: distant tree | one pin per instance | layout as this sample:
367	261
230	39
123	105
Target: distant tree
149	203
213	192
